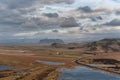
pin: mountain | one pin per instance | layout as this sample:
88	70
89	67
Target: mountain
51	41
104	45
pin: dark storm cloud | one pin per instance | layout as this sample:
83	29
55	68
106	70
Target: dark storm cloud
51	15
96	18
117	12
69	22
115	22
85	9
56	31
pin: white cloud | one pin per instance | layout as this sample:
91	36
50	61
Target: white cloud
28	34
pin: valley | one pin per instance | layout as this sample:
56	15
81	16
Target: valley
41	62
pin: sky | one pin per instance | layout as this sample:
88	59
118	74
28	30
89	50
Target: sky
70	20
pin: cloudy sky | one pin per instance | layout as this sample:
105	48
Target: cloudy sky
70	20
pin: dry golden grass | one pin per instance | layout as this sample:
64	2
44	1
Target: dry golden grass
23	58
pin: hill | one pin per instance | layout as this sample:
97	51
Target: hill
104	45
51	41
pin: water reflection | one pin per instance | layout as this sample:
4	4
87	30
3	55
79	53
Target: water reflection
50	63
82	73
3	67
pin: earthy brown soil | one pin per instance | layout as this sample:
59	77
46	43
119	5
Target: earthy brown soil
22	57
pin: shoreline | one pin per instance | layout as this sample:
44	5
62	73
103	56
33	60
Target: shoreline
90	67
97	68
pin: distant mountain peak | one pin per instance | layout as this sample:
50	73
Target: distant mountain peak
50	41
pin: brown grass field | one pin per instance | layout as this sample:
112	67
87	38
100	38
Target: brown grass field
22	57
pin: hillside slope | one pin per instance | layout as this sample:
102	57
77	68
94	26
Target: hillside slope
104	45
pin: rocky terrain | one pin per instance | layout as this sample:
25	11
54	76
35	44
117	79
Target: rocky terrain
100	46
105	45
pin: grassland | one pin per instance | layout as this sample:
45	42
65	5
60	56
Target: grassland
22	57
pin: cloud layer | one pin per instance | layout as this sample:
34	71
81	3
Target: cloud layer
80	19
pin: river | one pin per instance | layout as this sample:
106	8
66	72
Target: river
83	73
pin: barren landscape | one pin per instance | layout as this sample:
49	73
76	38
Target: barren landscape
24	64
59	39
